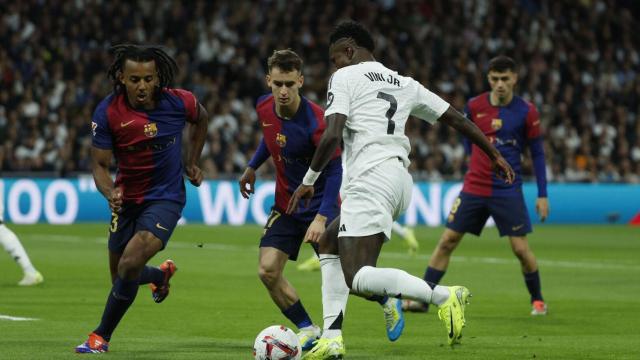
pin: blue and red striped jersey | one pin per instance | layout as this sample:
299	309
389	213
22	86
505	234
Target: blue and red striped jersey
292	143
510	129
146	143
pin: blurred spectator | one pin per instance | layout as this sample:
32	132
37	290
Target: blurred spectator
582	77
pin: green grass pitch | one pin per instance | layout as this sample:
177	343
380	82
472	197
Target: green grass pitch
590	278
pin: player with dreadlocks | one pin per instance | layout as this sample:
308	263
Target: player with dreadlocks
141	125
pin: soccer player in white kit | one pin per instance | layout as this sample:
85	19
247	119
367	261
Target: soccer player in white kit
367	109
12	245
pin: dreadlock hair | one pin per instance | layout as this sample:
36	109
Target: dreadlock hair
354	30
165	64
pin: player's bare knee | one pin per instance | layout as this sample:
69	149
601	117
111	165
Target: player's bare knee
269	276
521	252
448	243
130	267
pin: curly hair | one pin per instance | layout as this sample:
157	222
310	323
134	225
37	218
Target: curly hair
165	64
354	30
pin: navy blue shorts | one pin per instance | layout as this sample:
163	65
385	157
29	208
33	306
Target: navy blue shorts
285	233
469	214
158	217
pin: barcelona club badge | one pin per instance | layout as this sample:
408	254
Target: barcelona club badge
281	140
496	124
150	129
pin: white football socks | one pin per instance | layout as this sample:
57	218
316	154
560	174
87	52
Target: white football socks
334	293
397	283
12	245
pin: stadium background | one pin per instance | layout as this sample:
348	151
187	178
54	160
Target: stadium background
583	79
579	65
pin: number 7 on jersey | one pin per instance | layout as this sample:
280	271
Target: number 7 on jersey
393	106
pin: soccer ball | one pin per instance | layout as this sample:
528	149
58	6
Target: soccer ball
277	342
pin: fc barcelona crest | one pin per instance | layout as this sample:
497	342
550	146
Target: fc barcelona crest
496	124
281	140
150	129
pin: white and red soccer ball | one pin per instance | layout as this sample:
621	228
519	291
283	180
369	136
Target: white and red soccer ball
277	342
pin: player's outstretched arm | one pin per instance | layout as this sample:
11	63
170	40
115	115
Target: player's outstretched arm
101	160
197	135
456	120
329	142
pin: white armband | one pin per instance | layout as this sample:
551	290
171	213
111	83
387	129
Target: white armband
310	177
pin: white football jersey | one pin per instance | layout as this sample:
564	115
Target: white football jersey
377	102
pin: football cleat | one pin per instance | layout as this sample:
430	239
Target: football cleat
538	307
311	264
326	349
95	344
451	313
393	318
415	306
31	279
308	337
410	239
160	292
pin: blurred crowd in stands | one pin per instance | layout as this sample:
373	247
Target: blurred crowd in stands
579	64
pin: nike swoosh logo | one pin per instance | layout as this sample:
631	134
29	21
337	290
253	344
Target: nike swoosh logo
516	228
451	320
481	115
264	124
124	124
161	227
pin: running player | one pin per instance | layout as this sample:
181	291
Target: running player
141	124
367	108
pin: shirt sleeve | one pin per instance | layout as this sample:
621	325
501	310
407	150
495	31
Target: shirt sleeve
428	106
338	99
534	136
539	167
101	134
190	104
261	155
333	172
533	123
466	143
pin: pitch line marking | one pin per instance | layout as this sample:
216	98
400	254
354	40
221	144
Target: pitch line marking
388	254
16	318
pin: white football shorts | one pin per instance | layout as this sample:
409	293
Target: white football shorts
373	200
